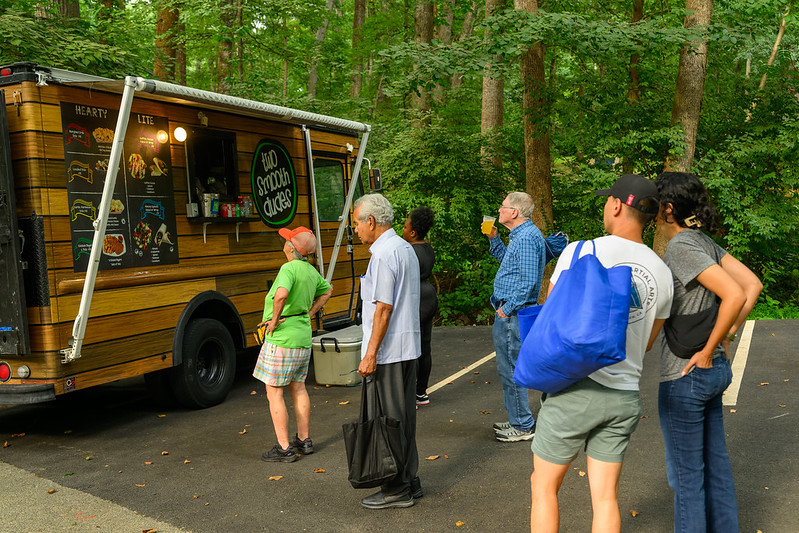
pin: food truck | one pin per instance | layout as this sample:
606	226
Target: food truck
138	228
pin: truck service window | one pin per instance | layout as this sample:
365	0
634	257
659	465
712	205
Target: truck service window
212	164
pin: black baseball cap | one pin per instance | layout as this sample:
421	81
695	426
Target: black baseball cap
631	189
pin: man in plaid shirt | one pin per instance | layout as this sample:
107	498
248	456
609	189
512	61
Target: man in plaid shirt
516	286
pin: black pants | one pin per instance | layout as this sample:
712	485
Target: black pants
427	311
396	385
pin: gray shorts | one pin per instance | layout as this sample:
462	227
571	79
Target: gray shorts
586	414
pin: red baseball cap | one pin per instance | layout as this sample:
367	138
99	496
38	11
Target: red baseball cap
301	238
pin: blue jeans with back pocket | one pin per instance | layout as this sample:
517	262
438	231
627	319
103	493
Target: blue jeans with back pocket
697	463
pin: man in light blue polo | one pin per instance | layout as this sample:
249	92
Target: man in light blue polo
516	286
391	336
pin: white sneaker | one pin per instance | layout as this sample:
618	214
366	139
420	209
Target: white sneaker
514	435
501	426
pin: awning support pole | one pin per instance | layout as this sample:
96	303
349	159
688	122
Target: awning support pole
320	261
356	176
79	327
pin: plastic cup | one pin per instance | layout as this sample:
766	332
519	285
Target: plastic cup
488	224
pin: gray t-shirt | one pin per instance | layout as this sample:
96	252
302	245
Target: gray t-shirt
688	254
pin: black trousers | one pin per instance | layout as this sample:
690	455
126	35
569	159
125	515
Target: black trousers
396	385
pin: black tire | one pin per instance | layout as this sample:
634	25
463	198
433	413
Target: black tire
209	365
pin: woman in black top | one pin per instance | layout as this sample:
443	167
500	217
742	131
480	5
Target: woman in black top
415	230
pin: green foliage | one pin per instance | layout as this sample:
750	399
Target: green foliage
434	167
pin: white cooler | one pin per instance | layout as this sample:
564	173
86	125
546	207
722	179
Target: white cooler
336	355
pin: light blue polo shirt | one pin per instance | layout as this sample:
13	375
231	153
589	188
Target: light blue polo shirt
392	277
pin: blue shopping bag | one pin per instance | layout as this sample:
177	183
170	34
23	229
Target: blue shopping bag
581	328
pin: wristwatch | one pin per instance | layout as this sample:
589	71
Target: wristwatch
731	336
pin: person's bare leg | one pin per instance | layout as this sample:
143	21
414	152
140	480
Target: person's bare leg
302	408
544	486
280	415
603	478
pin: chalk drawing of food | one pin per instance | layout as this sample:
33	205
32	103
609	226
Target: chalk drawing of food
136	166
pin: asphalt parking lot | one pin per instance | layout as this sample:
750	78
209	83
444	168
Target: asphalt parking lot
102	454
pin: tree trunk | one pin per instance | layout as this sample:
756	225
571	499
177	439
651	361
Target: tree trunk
633	92
493	110
775	48
690	85
538	172
466	31
180	48
444	34
165	33
313	69
358	19
423	34
224	50
68	9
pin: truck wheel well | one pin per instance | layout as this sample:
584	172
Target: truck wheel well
209	304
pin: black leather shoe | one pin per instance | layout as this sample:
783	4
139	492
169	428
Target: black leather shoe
379	500
416	488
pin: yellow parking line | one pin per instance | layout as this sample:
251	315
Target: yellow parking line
456	375
739	364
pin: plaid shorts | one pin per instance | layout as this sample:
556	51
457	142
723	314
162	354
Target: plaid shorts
278	366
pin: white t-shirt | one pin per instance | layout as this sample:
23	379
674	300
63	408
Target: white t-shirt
392	277
651	297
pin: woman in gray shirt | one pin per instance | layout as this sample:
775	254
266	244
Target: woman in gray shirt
713	295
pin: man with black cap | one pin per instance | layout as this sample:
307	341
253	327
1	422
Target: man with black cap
600	412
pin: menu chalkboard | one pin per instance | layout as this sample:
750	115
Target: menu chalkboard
274	184
141	225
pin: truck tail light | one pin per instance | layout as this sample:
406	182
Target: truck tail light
6	71
5	372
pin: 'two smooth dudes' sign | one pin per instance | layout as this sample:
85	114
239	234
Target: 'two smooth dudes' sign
274	184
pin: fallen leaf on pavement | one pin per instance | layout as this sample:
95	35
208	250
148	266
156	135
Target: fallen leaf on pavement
345	402
253	393
68	474
318	470
782	405
460	523
476	372
207	503
242	432
764	383
161	416
446	456
164	453
51	491
5	444
488	383
634	513
472	381
485	412
148	462
581	473
275	478
88	457
196	496
13	435
433	457
186	462
149	531
142	485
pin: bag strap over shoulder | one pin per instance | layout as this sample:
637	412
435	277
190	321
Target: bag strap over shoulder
577	250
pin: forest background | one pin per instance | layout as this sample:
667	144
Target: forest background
470	99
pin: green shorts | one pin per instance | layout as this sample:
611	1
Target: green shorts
586	414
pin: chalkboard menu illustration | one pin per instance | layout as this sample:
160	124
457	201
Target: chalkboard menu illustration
141	224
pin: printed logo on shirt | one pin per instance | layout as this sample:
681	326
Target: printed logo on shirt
643	294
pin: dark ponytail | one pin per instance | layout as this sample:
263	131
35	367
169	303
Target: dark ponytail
688	198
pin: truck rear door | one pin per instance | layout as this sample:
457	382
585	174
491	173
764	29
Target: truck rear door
13	317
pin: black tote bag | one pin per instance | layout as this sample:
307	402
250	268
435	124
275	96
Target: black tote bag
374	446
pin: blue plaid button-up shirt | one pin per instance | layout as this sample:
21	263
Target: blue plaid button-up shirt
521	268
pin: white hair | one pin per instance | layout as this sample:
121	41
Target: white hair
375	205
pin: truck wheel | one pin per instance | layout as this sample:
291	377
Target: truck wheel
209	365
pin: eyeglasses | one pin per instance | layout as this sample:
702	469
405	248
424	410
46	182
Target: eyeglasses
507	207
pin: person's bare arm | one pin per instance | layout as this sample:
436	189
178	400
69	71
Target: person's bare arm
656	327
320	302
281	294
368	364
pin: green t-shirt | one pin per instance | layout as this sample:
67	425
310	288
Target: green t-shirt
304	284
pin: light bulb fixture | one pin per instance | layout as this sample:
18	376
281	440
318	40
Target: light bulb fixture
180	134
162	136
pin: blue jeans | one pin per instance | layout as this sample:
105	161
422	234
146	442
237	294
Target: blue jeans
697	463
507	345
